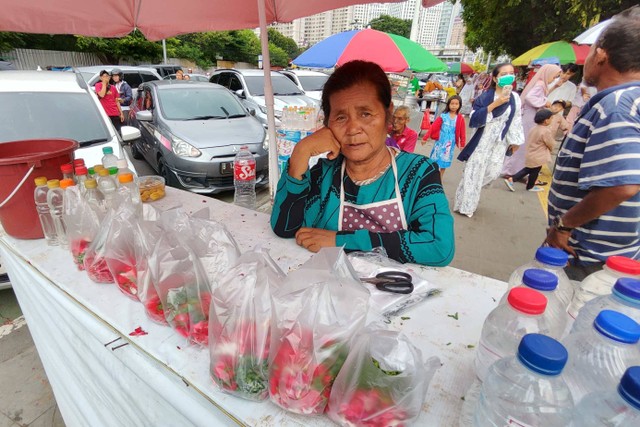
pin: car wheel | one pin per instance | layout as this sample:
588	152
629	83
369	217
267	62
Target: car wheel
135	151
164	172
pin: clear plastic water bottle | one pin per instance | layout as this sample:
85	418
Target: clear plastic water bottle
55	200
600	355
601	282
109	160
107	187
527	389
547	283
613	408
244	178
624	298
123	168
507	324
94	197
552	260
46	220
67	171
81	176
128	192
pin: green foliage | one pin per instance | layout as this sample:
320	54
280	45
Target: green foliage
390	24
515	26
111	51
285	43
278	56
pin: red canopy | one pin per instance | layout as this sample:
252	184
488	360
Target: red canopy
157	19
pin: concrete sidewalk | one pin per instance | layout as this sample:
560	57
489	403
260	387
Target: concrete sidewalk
502	235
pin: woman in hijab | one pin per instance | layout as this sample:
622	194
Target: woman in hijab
533	97
496	116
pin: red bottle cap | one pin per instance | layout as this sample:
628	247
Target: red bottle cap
624	265
67	168
527	300
81	170
78	162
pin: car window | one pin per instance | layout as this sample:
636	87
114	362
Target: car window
290	77
281	85
37	115
215	78
223	79
188	103
234	84
147	77
313	82
88	76
133	78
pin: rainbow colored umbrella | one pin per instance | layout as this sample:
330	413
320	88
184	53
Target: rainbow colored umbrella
395	54
564	52
460	68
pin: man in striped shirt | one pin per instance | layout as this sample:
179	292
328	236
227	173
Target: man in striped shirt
594	201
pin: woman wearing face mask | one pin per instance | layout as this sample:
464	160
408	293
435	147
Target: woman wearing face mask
497	118
534	96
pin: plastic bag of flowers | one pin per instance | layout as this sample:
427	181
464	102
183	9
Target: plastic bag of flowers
82	224
182	286
316	313
382	383
209	239
239	331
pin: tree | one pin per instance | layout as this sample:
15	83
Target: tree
285	43
278	56
390	24
111	51
515	26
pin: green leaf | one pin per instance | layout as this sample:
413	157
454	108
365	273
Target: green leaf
453	316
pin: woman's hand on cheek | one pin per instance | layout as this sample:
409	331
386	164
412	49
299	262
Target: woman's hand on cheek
322	141
314	239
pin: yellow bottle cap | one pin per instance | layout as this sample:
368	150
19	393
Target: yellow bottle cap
98	168
41	180
90	183
53	183
103	172
125	177
66	183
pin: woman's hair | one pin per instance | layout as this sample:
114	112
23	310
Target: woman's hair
496	71
446	108
570	68
103	72
354	73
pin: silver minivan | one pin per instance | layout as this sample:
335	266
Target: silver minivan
248	85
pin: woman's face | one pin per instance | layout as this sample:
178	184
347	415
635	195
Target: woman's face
454	105
359	122
504	70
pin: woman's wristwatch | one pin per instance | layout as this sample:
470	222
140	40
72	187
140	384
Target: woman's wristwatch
558	225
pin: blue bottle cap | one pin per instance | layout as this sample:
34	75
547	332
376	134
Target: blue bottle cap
617	326
629	388
542	354
540	280
552	256
627	287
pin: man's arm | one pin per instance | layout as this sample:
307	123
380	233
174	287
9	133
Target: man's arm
599	201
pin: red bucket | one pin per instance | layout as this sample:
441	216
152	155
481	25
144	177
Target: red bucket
20	163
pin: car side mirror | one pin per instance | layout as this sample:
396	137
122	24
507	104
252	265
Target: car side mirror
129	133
144	116
240	93
252	111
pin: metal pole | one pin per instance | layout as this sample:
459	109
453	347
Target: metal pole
268	96
416	21
164	51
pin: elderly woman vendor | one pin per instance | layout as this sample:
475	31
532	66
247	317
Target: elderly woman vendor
364	194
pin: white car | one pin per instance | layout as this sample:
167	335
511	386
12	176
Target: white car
311	82
53	104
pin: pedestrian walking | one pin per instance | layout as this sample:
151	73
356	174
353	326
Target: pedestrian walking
534	96
594	202
448	131
497	118
540	143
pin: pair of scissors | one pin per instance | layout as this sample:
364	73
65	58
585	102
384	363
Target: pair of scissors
397	282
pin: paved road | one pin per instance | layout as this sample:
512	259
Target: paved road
502	235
